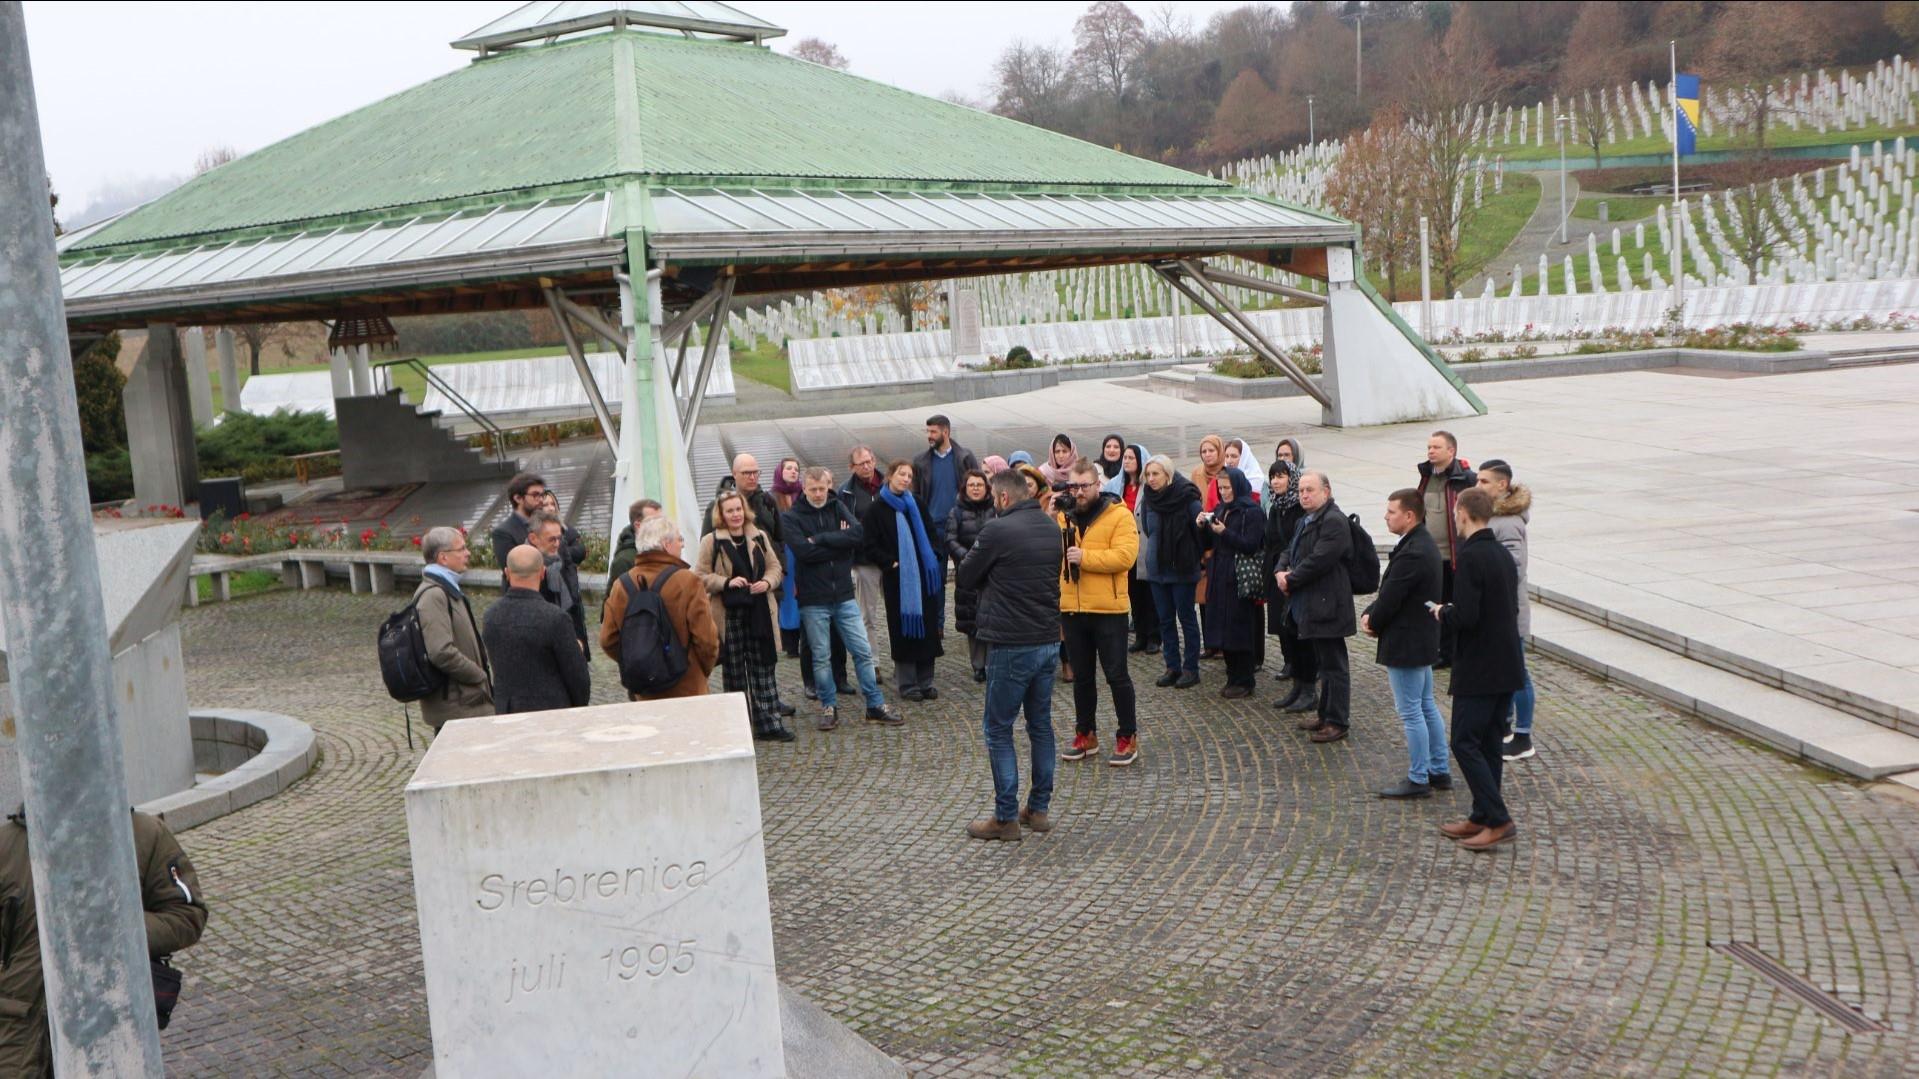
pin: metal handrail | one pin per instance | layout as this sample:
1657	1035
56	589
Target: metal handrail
495	436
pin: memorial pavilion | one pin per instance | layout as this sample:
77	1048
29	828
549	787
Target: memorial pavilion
637	167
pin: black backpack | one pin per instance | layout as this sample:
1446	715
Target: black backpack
1362	565
404	662
651	657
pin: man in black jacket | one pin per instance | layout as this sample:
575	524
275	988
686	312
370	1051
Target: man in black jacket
938	475
561	586
1487	668
825	538
862	488
1014	566
525	496
1409	642
537	662
1318	585
1442	477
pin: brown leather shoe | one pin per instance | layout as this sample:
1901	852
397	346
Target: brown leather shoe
1310	722
1326	732
989	828
1488	838
1461	829
1038	822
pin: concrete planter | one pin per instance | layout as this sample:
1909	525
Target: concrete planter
974	385
1071	372
1249	388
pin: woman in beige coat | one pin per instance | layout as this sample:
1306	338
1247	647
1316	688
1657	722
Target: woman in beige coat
742	574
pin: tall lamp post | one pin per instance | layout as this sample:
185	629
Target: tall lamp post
1310	136
1359	22
1559	128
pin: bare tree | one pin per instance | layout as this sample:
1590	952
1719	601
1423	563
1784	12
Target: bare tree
1759	233
1601	37
212	158
257	336
1032	84
1107	42
1440	104
1754	44
824	53
1376	184
911	298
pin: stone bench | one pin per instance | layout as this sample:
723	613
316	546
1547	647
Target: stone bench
373	572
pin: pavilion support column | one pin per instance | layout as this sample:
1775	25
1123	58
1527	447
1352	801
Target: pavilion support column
229	370
362	370
199	389
160	423
341	369
1375	368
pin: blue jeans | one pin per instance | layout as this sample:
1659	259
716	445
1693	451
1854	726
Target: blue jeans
1178	618
1016	677
820	622
1419	714
1523	701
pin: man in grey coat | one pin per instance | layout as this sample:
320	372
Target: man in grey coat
541	664
452	634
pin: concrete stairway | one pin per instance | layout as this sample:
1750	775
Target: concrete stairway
386	442
1825	724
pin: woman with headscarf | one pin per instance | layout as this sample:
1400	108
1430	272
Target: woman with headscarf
1240	455
1283	513
1061	460
1169	563
786	488
898	540
993	464
1288	450
1234	529
1035	481
1111	449
970	513
1129	485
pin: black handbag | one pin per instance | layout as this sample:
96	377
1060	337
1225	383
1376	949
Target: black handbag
166	990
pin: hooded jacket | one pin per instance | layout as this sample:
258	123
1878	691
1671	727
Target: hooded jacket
1458	478
1014	568
1108	541
176	915
1512	512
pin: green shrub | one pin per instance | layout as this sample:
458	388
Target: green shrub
255	446
100	387
1306	357
109	475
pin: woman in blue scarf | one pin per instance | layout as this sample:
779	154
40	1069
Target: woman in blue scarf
898	541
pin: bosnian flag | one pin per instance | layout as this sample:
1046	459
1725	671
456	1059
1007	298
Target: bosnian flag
1686	116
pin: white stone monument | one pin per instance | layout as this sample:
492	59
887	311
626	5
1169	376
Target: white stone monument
592	893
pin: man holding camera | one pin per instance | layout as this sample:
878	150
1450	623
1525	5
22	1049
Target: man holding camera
1100	542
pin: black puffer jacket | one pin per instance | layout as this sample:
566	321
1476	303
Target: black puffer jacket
823	552
1014	567
1320	602
962	529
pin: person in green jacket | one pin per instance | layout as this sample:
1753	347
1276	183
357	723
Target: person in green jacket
175	915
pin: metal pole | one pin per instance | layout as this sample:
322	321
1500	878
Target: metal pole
1358	53
585	372
1425	280
93	941
1679	228
1559	128
1311	136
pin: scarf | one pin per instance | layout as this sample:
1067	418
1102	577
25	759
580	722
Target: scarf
791	491
1111	468
1290	499
1173	504
1056	474
919	566
746	557
446	577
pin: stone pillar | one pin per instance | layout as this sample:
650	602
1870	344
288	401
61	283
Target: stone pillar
362	371
342	371
199	390
229	371
160	423
1375	369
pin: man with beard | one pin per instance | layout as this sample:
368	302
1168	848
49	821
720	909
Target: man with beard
869	581
937	476
1442	476
1101	542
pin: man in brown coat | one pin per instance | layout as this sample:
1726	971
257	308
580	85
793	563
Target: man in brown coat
452	633
175	917
684	595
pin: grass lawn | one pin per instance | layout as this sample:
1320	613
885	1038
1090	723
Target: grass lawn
244	583
1499	220
1779	138
765	365
1619	207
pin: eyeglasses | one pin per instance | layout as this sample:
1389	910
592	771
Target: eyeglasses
1080	486
749	471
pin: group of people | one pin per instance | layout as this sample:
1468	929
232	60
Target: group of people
1058	568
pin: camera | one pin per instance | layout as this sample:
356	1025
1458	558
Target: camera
1063	499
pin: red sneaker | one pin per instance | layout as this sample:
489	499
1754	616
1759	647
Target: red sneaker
1084	746
1125	752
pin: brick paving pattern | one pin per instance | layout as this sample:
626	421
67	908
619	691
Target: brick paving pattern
1236	903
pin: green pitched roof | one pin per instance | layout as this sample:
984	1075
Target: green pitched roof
626	103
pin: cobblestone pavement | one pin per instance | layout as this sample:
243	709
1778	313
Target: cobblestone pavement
1236	903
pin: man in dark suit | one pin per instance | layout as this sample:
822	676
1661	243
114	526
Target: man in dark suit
538	664
1488	667
1409	643
1313	574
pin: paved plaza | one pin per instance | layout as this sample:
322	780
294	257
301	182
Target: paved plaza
1236	903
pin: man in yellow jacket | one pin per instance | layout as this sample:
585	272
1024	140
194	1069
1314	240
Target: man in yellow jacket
1100	542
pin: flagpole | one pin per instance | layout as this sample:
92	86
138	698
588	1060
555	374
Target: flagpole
1678	223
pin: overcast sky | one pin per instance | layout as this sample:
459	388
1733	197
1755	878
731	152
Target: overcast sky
130	93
